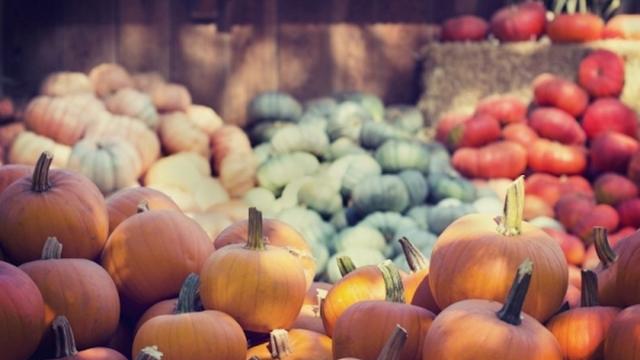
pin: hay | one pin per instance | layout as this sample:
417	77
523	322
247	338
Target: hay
457	75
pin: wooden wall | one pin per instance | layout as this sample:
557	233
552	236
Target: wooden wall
309	48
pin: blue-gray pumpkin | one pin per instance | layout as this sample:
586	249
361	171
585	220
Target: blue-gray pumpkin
346	121
380	193
371	103
281	169
420	214
388	223
273	105
397	155
443	186
417	186
405	117
373	134
446	212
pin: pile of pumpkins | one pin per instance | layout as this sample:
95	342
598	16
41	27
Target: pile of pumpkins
132	275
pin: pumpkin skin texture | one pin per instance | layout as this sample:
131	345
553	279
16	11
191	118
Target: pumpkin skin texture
601	73
570	208
612	151
521	22
609	114
535	206
551	188
464	28
629	211
281	293
72	207
303	345
551	90
575	28
479	130
612	189
623	341
22	313
502	159
625	26
555	124
79	289
627	283
176	241
556	158
571	246
179	134
601	215
9	173
164	307
124	204
492	255
520	133
108	78
169	97
134	104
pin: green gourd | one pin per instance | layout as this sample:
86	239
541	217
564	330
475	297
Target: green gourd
264	131
446	212
443	186
380	193
405	117
489	205
322	106
309	223
262	153
283	168
321	256
388	223
397	155
307	138
439	159
420	214
343	146
346	121
289	196
273	105
371	103
357	171
320	195
360	236
262	199
373	134
417	186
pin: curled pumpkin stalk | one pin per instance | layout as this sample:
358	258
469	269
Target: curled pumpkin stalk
603	249
189	297
589	293
394	289
345	265
40	179
415	259
512	308
65	341
279	344
149	353
393	347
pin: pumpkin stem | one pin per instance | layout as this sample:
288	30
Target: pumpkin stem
279	344
512	308
345	265
321	294
149	353
415	259
589	293
394	288
255	240
189	295
143	206
393	347
511	223
605	253
52	249
65	342
40	179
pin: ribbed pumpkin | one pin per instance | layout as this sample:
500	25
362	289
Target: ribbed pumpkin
519	133
496	160
380	193
272	276
62	83
486	258
627	278
552	90
52	202
205	118
612	189
623	341
297	344
164	307
233	160
80	290
202	334
134	104
555	124
507	109
581	332
66	345
556	158
9	173
22	313
178	244
107	78
27	147
378	319
63	119
111	163
179	134
124	204
170	97
613	151
510	333
398	155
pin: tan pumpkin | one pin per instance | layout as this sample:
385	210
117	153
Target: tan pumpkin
8	134
212	223
143	139
178	134
111	163
134	104
205	118
233	160
62	83
227	139
170	97
107	78
28	146
124	204
182	170
63	119
234	209
146	81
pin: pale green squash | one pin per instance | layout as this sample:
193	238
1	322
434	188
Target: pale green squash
489	205
284	168
322	106
446	212
443	186
405	117
374	134
289	196
320	195
346	121
321	256
416	186
360	257
388	223
371	103
307	138
380	193
273	105
420	214
262	199
315	120
342	147
262	153
266	130
360	236
358	170
398	155
309	223
439	159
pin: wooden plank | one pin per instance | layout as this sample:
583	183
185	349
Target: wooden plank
144	35
2	32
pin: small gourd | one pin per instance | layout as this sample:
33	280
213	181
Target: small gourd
380	193
397	155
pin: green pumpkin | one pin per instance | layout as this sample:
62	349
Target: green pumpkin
262	199
320	195
281	169
405	117
317	121
360	237
309	223
397	155
423	240
380	193
307	138
373	134
346	121
342	147
264	131
388	223
262	153
371	103
420	214
416	186
443	186
359	169
360	257
273	105
439	159
489	205
322	106
446	212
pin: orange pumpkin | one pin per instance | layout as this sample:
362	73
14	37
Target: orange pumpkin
556	158
628	274
297	344
79	289
475	257
600	215
509	333
273	285
22	313
170	97
535	206
378	319
416	284
66	345
276	233
187	334
52	202
392	349
8	133
496	160
146	81
179	247
124	204
234	209
309	317
607	270
623	339
164	307
11	172
179	134
107	78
